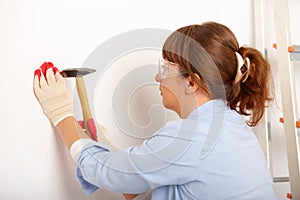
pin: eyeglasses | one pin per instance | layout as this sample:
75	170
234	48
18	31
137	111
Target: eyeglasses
167	69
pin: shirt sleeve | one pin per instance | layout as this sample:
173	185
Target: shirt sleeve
77	146
158	161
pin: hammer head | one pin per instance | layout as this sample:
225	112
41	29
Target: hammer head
76	72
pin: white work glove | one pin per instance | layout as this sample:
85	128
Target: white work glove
54	96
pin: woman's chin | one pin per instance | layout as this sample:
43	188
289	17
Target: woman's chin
166	105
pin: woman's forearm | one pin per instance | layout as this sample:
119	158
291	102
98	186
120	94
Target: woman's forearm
70	131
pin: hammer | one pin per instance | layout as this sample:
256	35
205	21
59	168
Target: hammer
89	123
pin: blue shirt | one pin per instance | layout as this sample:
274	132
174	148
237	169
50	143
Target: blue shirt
210	155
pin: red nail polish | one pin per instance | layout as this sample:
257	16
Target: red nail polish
37	72
50	64
55	70
43	68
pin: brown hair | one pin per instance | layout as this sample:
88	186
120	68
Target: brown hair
208	50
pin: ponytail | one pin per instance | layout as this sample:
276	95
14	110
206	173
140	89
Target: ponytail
249	97
244	71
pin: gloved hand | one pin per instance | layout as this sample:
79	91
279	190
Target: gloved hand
52	93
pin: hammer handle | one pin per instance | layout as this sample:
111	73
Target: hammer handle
83	101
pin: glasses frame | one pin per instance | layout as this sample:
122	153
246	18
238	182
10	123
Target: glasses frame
167	64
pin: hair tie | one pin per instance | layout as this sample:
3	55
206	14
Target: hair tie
240	63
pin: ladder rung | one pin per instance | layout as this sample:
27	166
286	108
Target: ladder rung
281	119
294	51
281	179
293	48
298	124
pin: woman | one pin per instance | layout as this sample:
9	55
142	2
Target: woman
210	153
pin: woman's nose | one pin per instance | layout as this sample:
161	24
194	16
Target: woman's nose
157	78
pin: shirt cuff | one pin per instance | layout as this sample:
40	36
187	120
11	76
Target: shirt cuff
144	196
77	146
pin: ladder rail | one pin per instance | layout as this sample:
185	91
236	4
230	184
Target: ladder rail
287	88
262	130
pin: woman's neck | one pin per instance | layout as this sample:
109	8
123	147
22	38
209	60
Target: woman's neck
191	104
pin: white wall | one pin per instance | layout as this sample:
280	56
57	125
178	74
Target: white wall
34	162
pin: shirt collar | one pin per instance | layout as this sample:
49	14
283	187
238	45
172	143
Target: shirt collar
208	108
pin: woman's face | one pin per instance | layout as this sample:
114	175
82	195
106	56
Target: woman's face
171	85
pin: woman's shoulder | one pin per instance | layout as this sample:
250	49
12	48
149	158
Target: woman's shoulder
180	129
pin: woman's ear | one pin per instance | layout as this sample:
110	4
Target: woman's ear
191	85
